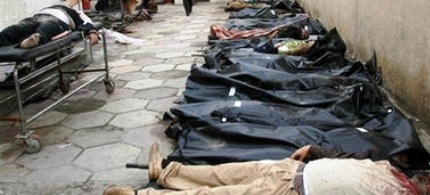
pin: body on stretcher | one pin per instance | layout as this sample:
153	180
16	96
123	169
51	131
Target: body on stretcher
61	50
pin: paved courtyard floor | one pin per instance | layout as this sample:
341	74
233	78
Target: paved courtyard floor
91	136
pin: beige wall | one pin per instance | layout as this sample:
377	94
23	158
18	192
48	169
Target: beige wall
12	11
399	32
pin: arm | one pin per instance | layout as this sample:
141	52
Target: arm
94	38
93	35
80	22
314	152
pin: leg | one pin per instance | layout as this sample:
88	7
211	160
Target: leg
16	33
187	5
233	178
268	179
44	33
50	29
191	5
130	6
178	176
267	186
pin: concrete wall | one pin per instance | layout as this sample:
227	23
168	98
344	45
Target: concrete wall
399	32
15	10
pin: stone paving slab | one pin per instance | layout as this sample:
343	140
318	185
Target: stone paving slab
180	60
96	137
47	119
119	93
135	119
169	75
161	105
81	105
87	120
158	68
122	62
124	105
13	173
176	83
148	61
132	76
54	134
61	175
184	67
50	157
125	69
10	152
155	93
107	157
144	84
143	137
121	174
172	54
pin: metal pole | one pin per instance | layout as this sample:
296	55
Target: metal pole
105	52
23	133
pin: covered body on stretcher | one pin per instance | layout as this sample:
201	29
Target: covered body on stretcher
53	32
48	24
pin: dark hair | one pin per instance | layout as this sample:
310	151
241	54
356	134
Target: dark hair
290	31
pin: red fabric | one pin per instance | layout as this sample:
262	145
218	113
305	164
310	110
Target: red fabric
405	182
86	5
224	34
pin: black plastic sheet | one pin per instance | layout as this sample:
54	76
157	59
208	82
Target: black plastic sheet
282	87
255	112
264	12
237	142
265	23
325	54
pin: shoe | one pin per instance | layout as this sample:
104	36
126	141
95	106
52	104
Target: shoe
154	162
31	41
115	190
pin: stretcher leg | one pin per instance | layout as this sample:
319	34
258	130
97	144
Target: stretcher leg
32	143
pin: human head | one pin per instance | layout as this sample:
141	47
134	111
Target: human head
293	31
422	180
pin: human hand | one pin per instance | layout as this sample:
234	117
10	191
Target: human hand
94	38
301	153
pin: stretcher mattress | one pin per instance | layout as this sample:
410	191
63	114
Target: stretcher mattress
15	54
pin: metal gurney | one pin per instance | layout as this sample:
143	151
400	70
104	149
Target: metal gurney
61	51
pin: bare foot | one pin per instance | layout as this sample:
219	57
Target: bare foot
31	41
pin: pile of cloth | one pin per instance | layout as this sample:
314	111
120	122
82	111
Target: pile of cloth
270	85
117	15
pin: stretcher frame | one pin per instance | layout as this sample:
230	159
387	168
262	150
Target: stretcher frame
31	142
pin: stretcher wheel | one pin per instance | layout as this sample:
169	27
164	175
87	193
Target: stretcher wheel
64	87
110	86
33	144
